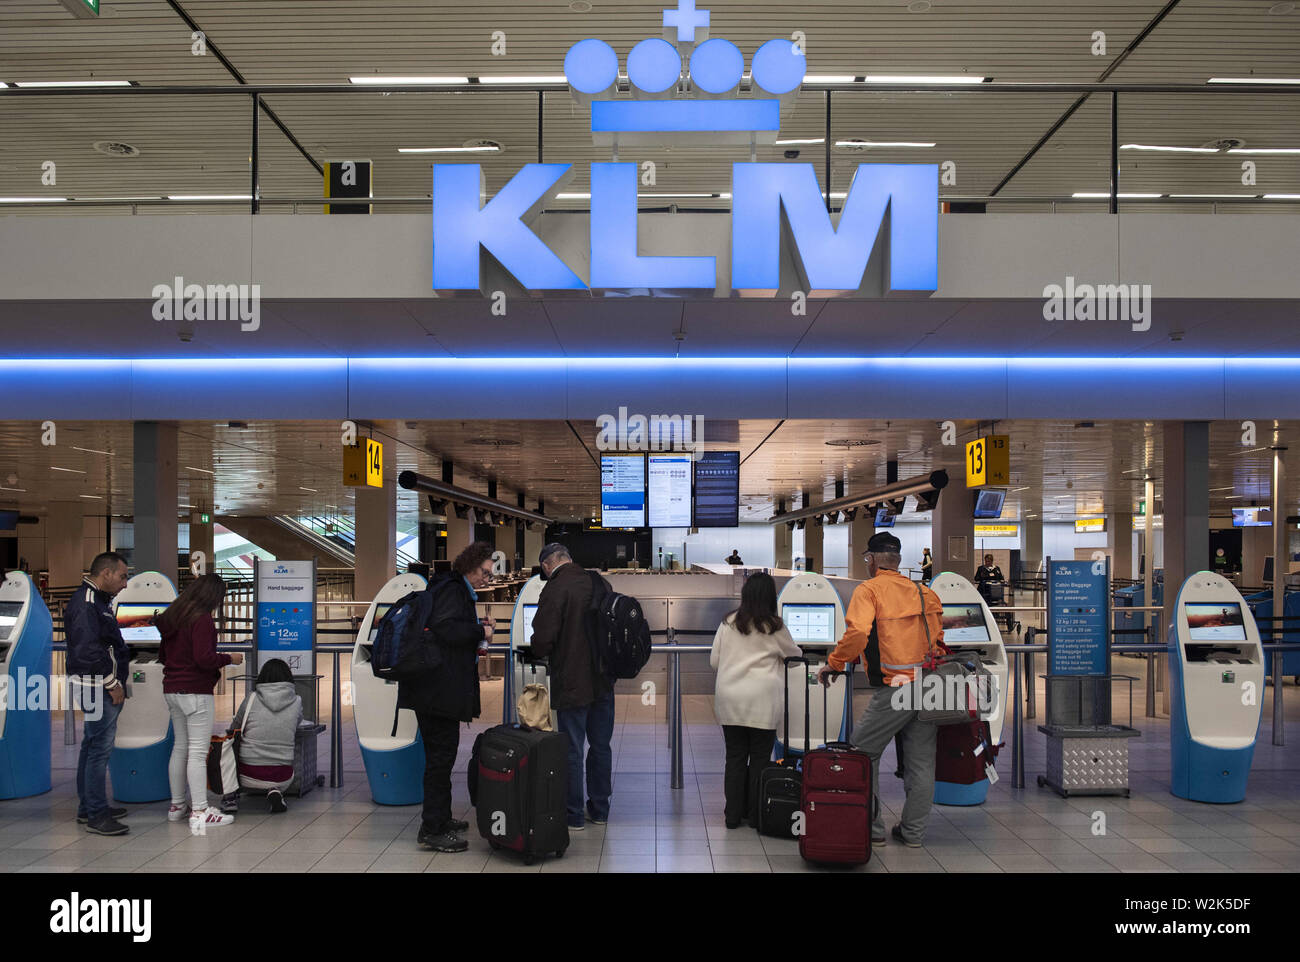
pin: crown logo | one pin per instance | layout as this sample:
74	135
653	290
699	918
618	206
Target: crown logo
685	86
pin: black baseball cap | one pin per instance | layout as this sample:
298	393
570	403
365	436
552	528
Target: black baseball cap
883	541
549	550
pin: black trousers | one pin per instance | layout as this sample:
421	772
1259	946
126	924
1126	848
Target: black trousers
441	738
748	750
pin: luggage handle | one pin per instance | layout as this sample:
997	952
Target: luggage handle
796	660
826	691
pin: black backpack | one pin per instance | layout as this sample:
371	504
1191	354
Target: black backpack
619	633
404	649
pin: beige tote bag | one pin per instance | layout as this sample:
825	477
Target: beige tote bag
534	707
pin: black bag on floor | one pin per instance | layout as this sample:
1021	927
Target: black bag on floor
521	786
780	784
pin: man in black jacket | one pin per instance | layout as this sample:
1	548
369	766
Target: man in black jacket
97	665
582	697
449	695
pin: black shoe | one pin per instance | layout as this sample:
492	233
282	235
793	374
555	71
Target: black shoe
276	800
736	824
442	842
456	825
113	813
897	834
593	817
107	826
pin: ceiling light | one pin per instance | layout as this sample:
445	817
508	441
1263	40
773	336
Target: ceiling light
73	83
880	78
190	506
792	143
1014	490
570	196
1253	80
312	490
92	497
31	200
92	451
1171	150
68	470
209	197
190	467
830	79
484	149
1102	195
22	490
409	81
525	80
864	144
3	85
1265	150
1282	196
1210	196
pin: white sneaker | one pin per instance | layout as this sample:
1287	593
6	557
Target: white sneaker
209	818
176	812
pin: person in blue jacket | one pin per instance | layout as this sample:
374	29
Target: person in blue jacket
97	665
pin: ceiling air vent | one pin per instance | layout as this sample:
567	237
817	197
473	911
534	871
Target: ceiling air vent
115	148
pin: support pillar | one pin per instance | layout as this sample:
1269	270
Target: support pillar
953	526
1119	540
861	528
64	553
155	498
376	547
813	547
1031	555
1186	513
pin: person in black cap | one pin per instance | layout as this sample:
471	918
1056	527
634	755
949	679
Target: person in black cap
887	624
583	698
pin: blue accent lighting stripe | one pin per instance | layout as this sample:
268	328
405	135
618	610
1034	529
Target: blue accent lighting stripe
705	116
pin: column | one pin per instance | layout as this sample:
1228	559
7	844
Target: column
813	552
861	528
376	547
783	542
953	527
1186	514
64	556
155	498
1256	545
1119	540
1031	555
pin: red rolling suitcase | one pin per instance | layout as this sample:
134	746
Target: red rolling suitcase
962	753
836	804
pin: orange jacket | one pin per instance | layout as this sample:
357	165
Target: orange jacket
883	624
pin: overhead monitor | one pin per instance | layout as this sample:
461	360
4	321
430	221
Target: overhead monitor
964	622
135	619
380	611
1218	621
717	489
8	520
1252	517
529	613
9	611
810	623
884	518
622	490
670	490
988	503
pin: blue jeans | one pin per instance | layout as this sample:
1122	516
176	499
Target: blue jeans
92	765
593	724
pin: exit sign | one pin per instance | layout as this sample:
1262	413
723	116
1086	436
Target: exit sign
85	9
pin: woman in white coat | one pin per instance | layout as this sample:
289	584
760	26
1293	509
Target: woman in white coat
749	652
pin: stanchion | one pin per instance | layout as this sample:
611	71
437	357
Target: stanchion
69	716
676	734
1031	688
1279	719
1151	686
1017	726
336	728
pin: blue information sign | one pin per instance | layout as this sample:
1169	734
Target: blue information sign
286	595
1077	636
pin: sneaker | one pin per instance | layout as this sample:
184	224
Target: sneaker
276	800
578	826
442	842
177	812
456	825
877	838
210	818
113	813
897	834
106	826
594	818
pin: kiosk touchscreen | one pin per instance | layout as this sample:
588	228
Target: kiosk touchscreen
138	765
811	608
969	626
1216	672
526	671
25	643
394	763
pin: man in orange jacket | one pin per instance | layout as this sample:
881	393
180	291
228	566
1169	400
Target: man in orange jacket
884	626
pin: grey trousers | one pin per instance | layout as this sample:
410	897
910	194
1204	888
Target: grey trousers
878	724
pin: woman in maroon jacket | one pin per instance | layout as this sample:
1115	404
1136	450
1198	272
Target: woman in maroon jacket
191	668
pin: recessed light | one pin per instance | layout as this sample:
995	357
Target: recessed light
31	200
1170	149
409	81
1264	150
472	147
209	197
312	490
73	83
21	490
918	6
580	6
67	470
542	79
1103	195
1253	80
190	467
92	451
880	78
91	497
1282	196
115	148
855	143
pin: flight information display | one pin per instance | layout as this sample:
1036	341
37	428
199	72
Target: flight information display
529	613
670	490
380	611
622	491
9	612
1220	621
810	622
136	621
717	489
964	622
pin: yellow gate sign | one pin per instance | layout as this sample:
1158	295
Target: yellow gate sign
363	464
988	461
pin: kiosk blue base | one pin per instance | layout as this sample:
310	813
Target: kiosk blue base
25	664
140	774
1198	772
396	776
950	793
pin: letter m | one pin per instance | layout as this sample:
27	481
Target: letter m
462	224
835	256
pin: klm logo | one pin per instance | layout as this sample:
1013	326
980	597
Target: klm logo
686	91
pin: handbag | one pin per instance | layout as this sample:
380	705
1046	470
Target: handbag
534	707
955	673
223	761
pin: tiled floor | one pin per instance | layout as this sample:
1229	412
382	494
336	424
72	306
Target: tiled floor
656	829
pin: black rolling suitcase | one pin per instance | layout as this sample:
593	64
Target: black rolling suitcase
780	784
522	790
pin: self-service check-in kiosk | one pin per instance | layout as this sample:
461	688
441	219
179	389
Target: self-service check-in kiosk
814	614
526	670
1216	672
394	762
25	642
969	626
138	765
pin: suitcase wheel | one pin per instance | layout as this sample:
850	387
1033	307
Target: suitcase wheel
529	859
493	844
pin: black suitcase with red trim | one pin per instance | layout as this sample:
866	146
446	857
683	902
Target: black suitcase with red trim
523	784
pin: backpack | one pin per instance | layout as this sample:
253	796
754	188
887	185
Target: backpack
618	630
404	649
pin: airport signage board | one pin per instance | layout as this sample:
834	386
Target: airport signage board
1078	638
996	530
1089	525
363	464
988	461
286	606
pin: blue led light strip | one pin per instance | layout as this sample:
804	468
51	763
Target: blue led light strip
702	116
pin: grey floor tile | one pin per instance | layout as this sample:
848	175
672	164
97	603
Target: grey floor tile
1162	846
1023	863
627	863
1193	861
741	863
967	863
